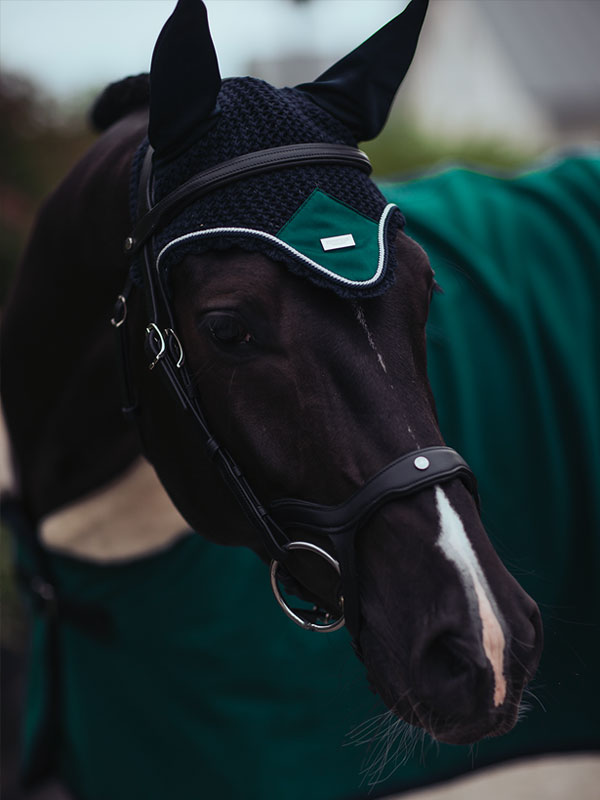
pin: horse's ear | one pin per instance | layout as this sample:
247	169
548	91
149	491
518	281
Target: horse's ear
360	88
184	80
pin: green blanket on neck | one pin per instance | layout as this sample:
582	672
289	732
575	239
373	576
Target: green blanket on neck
208	691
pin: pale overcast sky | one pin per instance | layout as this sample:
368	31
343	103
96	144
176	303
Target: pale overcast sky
69	45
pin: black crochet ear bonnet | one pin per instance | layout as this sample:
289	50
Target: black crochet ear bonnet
328	223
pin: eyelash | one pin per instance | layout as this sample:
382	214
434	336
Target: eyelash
229	330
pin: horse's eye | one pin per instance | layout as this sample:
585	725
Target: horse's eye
228	329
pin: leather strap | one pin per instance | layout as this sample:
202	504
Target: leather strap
118	321
340	524
235	169
400	478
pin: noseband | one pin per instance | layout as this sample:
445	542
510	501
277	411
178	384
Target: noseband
278	525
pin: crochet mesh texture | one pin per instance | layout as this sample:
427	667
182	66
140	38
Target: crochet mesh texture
254	115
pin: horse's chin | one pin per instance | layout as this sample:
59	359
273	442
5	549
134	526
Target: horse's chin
457	729
487	726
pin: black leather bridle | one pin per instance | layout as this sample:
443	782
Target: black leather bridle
278	525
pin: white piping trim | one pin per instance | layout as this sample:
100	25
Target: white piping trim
274	240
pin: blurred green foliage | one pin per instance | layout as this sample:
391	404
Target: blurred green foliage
403	150
39	141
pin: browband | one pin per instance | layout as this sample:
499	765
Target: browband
235	169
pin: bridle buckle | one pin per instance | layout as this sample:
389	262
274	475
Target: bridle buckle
156	344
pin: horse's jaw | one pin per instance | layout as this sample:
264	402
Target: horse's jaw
456	664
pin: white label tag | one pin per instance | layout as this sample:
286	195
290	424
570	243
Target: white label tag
338	242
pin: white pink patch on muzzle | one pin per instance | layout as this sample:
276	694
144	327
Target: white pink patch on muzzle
454	543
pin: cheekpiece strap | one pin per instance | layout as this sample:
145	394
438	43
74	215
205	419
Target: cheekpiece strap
234	170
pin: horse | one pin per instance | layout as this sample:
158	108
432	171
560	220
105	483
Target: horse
270	318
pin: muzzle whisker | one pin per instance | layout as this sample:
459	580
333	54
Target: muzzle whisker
374	768
392	743
369	730
530	694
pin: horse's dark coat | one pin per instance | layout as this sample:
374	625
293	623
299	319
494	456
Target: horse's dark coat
62	451
301	695
314	396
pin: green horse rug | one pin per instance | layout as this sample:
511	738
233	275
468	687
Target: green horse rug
191	683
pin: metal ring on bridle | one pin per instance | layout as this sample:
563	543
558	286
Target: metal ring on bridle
176	345
154	330
120	314
327	627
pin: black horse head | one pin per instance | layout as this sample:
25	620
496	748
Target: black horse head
300	306
282	314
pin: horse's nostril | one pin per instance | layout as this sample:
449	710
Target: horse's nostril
535	618
449	674
526	643
534	642
443	656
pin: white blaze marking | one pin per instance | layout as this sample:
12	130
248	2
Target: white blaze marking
360	316
455	545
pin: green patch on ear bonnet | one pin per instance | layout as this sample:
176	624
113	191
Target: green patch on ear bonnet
338	241
324	240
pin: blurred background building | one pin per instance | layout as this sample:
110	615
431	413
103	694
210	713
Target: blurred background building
524	71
